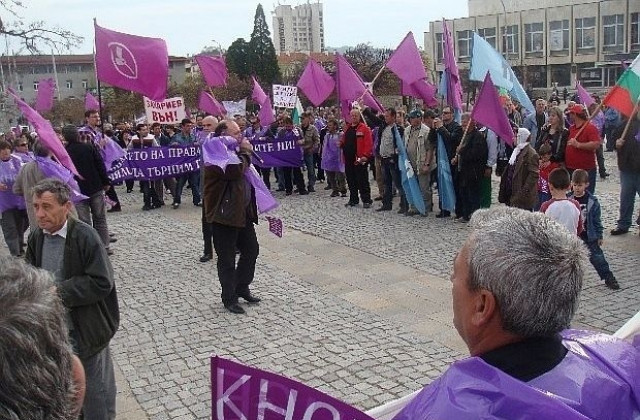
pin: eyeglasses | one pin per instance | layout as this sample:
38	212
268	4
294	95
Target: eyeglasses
23	145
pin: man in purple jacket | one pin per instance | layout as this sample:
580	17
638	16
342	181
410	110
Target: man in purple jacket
516	283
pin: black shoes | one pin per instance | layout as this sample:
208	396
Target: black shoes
351	204
402	210
604	175
384	208
234	308
612	283
206	258
250	298
311	189
335	194
618	231
378	198
443	214
367	205
328	187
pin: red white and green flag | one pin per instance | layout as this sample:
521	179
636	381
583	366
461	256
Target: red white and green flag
626	93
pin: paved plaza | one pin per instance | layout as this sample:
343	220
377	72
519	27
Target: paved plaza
355	303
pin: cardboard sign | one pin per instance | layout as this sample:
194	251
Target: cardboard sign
169	111
285	96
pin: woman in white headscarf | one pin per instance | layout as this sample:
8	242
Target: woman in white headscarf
518	186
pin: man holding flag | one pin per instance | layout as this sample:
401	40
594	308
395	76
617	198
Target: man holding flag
451	133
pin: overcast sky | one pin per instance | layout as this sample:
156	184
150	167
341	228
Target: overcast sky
188	26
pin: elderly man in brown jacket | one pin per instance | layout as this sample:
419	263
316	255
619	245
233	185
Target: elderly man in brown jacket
230	207
519	183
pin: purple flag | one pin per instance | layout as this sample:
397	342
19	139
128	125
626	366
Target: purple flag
264	200
316	83
90	102
406	61
8	172
213	69
132	62
454	88
258	94
488	111
351	87
242	392
584	96
209	104
275	226
52	169
45	132
421	89
44	99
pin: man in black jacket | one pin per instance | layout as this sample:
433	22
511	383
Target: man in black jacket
628	148
72	251
451	133
94	182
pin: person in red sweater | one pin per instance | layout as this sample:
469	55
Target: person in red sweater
357	149
584	140
546	166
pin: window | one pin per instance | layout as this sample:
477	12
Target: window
533	37
635	31
559	35
585	33
489	35
85	84
613	31
69	84
512	45
35	86
440	47
465	39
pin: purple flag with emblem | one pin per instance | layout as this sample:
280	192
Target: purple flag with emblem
454	88
316	83
213	69
209	104
136	63
90	102
488	111
44	99
45	132
406	61
275	226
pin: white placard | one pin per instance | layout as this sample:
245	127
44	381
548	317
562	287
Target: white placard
235	108
285	96
169	111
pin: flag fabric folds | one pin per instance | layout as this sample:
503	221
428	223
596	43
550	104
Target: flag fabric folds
213	70
208	103
90	102
454	88
351	87
625	95
261	98
44	99
406	61
484	58
316	83
45	132
275	226
421	89
489	112
445	180
409	178
132	62
584	96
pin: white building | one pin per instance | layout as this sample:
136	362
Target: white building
548	42
298	28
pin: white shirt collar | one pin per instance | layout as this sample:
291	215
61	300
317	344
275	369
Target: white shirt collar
62	232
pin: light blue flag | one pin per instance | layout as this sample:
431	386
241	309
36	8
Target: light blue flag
442	87
445	180
409	179
484	58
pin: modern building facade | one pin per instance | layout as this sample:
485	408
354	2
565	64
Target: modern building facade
298	28
74	74
548	42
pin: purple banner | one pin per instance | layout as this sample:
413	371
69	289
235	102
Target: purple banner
241	392
276	152
155	163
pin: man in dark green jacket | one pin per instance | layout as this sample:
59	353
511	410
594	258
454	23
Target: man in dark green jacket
73	252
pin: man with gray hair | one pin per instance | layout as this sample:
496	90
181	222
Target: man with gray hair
41	377
516	283
72	251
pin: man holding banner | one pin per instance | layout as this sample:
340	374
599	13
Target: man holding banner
183	139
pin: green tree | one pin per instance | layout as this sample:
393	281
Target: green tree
237	58
263	61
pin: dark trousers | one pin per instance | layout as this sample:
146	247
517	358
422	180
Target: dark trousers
358	182
207	235
602	170
129	183
149	195
318	164
235	279
471	196
391	176
266	174
597	259
455	176
298	179
14	224
194	181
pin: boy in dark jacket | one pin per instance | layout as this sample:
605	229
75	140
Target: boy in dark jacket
592	233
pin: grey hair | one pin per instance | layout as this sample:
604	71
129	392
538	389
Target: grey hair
36	379
532	265
59	189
